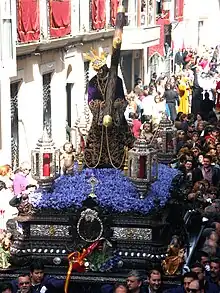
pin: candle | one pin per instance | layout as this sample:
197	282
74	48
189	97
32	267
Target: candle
142	168
46	165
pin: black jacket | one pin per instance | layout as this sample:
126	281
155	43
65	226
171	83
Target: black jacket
198	176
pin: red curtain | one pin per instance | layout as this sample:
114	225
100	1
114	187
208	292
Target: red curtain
98	14
160	47
60	18
114	9
181	8
28	21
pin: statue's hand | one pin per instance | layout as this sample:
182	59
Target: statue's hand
102	105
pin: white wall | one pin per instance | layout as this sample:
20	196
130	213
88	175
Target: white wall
209	13
30	97
5	124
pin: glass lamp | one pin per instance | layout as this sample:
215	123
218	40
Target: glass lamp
165	140
45	166
142	166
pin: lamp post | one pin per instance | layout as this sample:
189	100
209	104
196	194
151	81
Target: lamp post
45	165
142	166
165	140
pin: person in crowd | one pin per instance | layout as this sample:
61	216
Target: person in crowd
6	175
6	287
40	282
207	171
204	283
207	106
24	283
134	282
20	181
172	100
7	212
154	282
187	278
195	287
215	270
136	125
120	288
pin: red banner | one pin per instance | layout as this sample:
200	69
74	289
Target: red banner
114	9
28	21
98	14
160	47
181	8
60	18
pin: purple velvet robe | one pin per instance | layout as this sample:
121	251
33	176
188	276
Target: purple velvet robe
95	94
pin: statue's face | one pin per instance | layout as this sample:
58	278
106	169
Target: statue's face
103	71
68	147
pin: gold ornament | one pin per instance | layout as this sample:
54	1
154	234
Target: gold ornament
126	162
107	120
98	60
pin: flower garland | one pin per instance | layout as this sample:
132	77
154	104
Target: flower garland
114	191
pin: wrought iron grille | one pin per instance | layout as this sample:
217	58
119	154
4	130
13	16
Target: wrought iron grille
14	87
86	75
47	103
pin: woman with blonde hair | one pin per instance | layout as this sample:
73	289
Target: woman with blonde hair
6	175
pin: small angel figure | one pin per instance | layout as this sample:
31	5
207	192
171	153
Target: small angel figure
173	263
67	158
5	250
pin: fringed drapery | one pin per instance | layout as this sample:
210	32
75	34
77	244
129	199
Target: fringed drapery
114	9
28	21
98	14
60	18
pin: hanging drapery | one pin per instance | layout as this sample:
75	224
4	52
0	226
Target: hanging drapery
160	47
181	8
28	21
60	18
114	9
98	14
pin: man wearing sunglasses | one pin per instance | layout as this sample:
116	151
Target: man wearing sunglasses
24	284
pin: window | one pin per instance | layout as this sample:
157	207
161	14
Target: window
159	7
14	87
47	103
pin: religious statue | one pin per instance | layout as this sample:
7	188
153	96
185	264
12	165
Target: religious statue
67	158
173	263
5	240
25	208
109	134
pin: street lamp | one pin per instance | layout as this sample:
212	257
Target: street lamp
45	164
142	166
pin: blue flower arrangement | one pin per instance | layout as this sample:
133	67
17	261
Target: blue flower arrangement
114	191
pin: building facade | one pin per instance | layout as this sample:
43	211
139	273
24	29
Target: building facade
48	89
169	16
201	21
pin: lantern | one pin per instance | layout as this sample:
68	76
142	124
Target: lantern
45	162
142	166
165	140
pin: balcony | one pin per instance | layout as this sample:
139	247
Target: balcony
138	37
